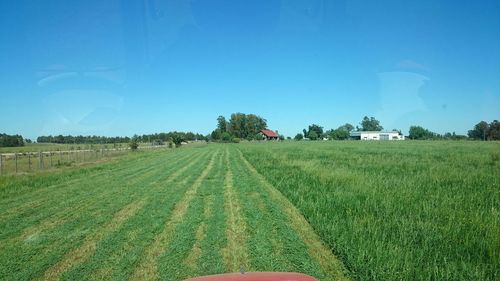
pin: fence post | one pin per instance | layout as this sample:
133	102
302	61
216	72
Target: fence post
50	159
40	160
29	161
16	160
1	164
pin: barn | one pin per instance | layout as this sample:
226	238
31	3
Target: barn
376	135
269	135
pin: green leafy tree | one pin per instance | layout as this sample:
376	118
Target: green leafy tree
341	133
419	133
245	126
226	137
216	135
177	139
133	144
298	137
338	134
11	140
480	131
315	128
189	136
494	130
221	124
370	124
259	136
313	135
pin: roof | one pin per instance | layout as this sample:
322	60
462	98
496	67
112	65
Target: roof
269	133
357	133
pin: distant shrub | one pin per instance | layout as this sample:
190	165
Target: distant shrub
133	144
226	137
236	140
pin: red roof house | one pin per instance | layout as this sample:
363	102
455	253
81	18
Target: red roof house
269	135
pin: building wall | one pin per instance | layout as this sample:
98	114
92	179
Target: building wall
380	136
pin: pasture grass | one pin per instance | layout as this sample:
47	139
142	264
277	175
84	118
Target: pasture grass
395	210
159	215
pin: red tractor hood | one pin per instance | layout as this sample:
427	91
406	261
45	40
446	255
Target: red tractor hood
256	276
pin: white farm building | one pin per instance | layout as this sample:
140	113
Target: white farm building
376	135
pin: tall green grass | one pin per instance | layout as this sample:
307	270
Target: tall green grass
395	210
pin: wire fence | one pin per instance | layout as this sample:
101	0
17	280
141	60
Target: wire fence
27	162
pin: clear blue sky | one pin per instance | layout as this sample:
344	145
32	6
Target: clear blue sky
124	67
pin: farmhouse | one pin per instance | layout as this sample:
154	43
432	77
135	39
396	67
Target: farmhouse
269	135
376	135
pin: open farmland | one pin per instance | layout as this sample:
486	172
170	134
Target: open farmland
396	210
158	215
374	211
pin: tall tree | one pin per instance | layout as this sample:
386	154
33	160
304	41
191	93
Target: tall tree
313	135
237	125
245	126
347	127
494	130
370	124
480	131
317	129
222	124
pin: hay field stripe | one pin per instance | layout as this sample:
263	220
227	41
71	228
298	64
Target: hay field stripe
235	253
83	252
147	269
151	198
68	213
330	264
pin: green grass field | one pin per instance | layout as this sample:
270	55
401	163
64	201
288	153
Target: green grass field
154	215
334	210
396	210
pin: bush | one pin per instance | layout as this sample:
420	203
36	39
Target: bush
177	139
236	140
226	137
133	144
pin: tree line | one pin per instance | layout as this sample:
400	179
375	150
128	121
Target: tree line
481	131
11	140
155	139
249	126
69	139
316	132
485	131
